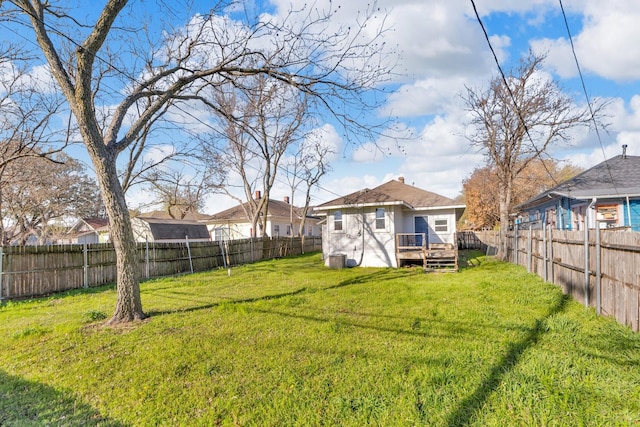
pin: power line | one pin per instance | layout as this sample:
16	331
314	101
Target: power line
586	94
512	96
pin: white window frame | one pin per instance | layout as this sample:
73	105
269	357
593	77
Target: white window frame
340	221
383	219
436	225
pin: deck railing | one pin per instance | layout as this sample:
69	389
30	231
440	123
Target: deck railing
411	241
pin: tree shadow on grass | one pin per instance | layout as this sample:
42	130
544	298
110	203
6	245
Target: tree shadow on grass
469	406
28	403
382	274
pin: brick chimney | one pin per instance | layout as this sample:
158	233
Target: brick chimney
401	179
286	199
258	195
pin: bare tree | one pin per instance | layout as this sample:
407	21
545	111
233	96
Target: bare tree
39	194
516	120
337	68
308	166
27	109
262	121
179	193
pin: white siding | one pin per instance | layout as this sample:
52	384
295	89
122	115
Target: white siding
432	216
359	239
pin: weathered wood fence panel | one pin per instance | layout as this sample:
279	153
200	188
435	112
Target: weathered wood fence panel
600	268
28	271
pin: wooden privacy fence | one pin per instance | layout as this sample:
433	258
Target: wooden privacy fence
27	271
600	268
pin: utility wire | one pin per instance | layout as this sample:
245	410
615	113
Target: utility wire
513	98
586	94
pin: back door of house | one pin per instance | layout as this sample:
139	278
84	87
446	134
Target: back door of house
421	226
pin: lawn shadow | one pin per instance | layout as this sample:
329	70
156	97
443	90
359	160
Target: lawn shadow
469	406
25	402
377	275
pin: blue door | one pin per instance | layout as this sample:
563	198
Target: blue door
421	226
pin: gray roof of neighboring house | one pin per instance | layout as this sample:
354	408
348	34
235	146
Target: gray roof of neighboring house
276	208
190	216
175	229
615	177
392	193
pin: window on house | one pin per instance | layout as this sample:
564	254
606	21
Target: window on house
309	231
607	215
276	230
380	225
337	221
577	218
288	230
218	234
441	226
550	215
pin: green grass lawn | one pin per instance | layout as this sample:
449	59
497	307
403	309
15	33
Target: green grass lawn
289	342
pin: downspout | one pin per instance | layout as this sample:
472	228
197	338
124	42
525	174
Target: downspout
586	251
362	233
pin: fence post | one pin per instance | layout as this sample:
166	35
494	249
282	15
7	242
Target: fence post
1	259
147	270
515	244
224	259
85	252
552	272
545	259
529	250
598	272
186	239
586	260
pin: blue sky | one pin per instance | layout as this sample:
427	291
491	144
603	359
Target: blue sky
444	50
441	49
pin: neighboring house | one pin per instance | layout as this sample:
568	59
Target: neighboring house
232	223
88	230
389	226
607	194
167	230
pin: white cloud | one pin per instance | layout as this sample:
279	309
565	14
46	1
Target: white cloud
159	152
606	45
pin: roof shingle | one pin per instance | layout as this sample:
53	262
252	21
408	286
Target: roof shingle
390	193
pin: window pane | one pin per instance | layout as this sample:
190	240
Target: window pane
380	219
337	220
442	225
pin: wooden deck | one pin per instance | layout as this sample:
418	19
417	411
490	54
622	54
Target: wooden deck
441	257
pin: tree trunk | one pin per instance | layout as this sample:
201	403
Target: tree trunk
128	303
504	196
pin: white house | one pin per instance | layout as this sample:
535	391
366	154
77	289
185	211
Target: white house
233	224
389	225
88	230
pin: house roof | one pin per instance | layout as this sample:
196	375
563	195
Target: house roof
277	208
85	226
175	229
97	223
192	216
613	178
392	193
